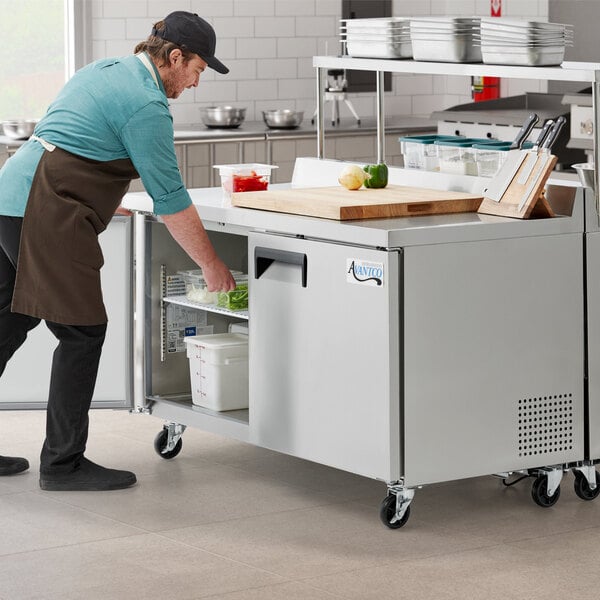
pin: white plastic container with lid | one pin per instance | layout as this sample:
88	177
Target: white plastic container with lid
219	370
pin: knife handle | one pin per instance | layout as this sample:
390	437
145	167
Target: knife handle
532	119
543	133
553	135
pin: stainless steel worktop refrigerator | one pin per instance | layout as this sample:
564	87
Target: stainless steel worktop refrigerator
413	351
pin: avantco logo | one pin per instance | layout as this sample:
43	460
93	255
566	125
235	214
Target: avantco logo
364	272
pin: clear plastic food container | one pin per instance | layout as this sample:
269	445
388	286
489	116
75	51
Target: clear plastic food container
490	156
458	157
251	177
420	152
196	289
236	299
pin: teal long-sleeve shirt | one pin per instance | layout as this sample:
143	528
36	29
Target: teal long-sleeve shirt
110	109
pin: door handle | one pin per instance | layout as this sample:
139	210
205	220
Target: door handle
265	257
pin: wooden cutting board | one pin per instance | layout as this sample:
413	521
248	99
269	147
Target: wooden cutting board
342	204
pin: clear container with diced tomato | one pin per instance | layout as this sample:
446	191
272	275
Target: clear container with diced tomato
251	177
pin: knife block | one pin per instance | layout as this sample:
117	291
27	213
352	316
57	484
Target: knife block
535	205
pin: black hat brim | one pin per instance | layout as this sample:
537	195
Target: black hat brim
214	63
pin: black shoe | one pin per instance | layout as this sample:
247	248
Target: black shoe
11	465
87	477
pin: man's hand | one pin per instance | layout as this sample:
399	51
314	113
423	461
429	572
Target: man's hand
217	276
123	212
186	228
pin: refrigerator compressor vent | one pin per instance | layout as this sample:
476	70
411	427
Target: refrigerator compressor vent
545	424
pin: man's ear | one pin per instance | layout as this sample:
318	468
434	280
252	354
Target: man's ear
175	56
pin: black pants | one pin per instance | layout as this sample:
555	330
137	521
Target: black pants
74	364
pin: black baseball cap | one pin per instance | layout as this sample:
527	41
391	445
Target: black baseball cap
194	33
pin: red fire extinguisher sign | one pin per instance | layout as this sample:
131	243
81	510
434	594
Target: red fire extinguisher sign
496	8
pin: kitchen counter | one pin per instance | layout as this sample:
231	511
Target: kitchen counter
10	144
199	133
185	133
256	131
218	215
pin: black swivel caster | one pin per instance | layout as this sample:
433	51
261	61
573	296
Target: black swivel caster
387	513
582	486
539	493
160	444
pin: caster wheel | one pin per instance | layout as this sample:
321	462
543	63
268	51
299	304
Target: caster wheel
539	493
160	443
387	513
582	487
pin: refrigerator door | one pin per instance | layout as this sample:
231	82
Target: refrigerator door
494	368
324	343
24	383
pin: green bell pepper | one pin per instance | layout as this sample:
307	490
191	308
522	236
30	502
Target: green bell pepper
379	175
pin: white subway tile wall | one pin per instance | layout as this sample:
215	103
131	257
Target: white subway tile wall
269	45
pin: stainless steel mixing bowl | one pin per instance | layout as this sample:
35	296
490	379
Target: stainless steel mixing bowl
19	129
586	174
283	119
222	116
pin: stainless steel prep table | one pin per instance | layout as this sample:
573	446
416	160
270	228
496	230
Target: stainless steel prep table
436	375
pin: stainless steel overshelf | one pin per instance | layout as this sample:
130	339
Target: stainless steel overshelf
568	71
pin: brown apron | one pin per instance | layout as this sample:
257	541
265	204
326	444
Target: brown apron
71	202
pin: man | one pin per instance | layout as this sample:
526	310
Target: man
109	124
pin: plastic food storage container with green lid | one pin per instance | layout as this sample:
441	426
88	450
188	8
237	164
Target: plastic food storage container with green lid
419	151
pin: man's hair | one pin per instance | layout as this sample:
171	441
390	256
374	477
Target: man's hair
160	49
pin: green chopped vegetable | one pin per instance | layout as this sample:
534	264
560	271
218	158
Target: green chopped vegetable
236	299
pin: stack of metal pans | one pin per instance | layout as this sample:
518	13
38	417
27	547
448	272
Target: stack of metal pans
386	37
517	42
445	39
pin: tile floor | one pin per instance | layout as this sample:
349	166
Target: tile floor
229	521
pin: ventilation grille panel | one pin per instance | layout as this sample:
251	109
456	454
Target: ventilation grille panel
545	424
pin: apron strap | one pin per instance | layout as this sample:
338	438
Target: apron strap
146	62
47	145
